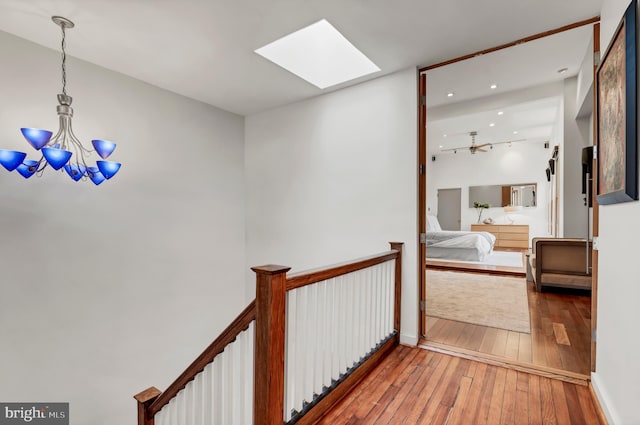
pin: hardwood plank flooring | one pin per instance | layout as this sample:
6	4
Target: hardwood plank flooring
414	386
560	333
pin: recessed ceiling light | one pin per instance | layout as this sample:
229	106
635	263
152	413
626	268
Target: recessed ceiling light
493	86
440	146
562	70
492	124
450	94
319	54
444	135
500	112
515	132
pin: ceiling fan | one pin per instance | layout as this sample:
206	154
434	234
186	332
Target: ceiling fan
473	148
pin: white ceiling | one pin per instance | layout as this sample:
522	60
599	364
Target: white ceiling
528	94
204	49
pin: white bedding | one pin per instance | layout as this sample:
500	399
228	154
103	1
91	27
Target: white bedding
459	245
448	235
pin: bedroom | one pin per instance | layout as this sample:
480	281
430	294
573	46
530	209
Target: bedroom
520	116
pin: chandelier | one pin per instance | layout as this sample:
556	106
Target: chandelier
64	150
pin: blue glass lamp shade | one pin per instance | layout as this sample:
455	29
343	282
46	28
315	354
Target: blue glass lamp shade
108	168
28	168
11	159
103	147
57	158
75	171
95	175
36	137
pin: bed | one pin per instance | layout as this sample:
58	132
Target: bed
457	245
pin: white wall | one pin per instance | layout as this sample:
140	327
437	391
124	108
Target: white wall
108	290
334	178
584	95
520	163
617	376
575	211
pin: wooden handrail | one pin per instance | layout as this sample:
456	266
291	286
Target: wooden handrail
309	277
227	336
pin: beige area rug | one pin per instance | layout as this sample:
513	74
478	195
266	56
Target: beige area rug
494	301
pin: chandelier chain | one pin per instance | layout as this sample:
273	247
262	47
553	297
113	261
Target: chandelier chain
64	63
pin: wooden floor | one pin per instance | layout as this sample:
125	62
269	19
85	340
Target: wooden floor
416	386
560	335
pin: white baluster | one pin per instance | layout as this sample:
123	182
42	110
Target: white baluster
159	418
380	302
390	283
198	400
333	313
317	337
236	387
368	281
207	394
248	363
228	384
187	415
216	379
353	324
290	354
373	335
301	329
339	294
173	411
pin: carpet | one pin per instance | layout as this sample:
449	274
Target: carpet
494	301
497	258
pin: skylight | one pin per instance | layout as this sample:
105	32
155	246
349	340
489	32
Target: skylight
319	54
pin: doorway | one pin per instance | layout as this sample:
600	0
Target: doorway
449	203
463	148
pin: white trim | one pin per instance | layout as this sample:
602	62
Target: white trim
411	340
604	399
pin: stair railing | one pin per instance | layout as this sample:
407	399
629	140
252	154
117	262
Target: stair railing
304	342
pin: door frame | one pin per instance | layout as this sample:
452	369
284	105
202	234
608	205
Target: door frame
422	178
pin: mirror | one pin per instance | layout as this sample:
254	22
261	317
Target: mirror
520	194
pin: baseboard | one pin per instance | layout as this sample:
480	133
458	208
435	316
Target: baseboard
410	340
600	399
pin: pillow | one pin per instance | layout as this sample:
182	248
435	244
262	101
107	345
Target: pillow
432	224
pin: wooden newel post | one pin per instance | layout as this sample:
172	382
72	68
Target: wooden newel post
145	399
398	287
268	403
